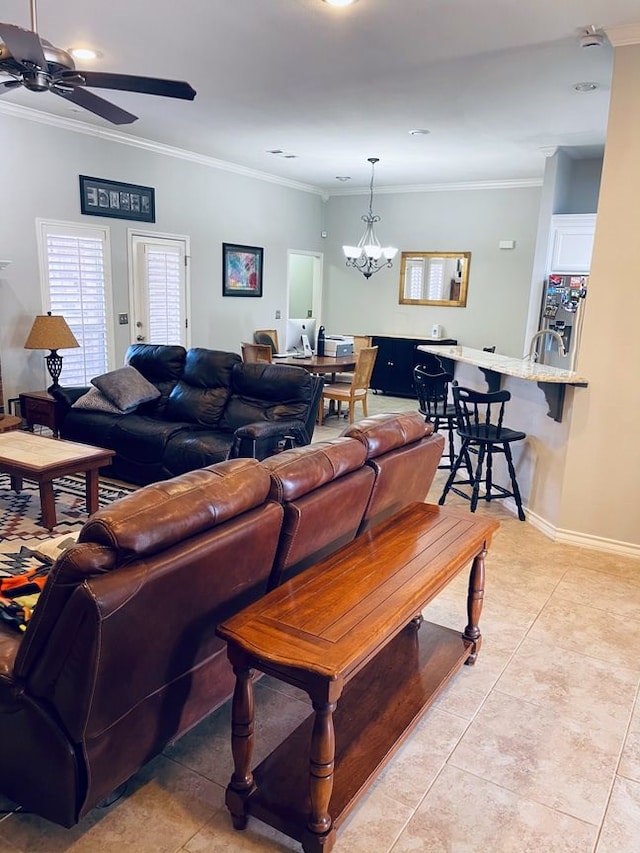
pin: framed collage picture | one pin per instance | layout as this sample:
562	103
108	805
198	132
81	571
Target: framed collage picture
101	197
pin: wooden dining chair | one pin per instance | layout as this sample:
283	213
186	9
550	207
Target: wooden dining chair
356	391
359	343
267	336
252	353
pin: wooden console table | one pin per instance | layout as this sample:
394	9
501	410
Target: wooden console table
349	629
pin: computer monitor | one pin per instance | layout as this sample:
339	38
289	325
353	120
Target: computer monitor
296	329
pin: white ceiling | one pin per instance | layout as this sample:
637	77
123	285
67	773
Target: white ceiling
492	81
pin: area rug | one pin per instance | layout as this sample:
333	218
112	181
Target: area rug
21	530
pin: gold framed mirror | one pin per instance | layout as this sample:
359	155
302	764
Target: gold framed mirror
434	278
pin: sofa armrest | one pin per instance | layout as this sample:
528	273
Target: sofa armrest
68	396
264	438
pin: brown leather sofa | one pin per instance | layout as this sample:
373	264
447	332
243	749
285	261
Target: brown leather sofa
121	657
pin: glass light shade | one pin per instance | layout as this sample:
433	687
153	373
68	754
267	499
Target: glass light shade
352	251
373	252
389	252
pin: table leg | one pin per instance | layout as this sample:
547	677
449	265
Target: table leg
91	490
16	483
242	726
47	504
475	597
321	761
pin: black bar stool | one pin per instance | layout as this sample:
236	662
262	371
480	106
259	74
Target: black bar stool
432	391
480	427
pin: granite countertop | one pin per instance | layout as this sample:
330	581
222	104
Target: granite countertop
522	368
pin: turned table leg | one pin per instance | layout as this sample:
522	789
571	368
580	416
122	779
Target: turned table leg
475	597
242	727
321	761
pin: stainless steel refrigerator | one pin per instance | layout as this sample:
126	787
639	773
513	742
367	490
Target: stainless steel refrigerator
562	311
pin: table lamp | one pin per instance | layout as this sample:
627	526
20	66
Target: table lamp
51	332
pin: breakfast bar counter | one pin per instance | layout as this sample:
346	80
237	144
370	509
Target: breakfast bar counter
551	380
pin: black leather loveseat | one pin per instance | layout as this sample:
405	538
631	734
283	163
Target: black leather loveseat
211	406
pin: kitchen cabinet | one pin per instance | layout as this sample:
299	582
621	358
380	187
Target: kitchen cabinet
397	356
571	242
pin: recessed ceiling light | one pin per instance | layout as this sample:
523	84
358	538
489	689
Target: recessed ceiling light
340	2
420	131
585	87
85	54
343	178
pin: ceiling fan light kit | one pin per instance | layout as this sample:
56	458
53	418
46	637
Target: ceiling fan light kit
39	66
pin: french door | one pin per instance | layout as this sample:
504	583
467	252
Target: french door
159	288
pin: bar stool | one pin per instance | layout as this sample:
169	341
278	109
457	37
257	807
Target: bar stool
432	391
480	418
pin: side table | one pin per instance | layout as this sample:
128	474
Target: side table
39	407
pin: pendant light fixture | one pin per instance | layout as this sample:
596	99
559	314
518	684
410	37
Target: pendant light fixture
369	255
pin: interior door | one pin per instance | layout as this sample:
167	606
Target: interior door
159	288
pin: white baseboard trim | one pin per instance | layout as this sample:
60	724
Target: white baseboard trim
582	540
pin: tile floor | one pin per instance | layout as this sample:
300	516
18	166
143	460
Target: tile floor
536	748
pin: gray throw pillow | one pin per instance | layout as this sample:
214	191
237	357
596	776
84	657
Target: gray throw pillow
96	401
126	387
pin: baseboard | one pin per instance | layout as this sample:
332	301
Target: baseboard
582	540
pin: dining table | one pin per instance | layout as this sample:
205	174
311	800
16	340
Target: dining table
321	364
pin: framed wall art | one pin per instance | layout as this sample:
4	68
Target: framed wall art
241	270
100	197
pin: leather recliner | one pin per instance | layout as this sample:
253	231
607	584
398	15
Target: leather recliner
211	407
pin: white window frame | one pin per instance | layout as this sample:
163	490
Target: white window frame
135	235
76	229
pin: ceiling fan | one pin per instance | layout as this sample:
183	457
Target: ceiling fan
37	65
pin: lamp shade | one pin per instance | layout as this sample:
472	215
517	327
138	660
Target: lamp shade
50	332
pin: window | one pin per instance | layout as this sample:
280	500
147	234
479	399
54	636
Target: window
76	283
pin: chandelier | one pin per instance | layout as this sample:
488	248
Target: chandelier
369	255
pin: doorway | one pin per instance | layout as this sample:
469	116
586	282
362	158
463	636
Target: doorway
159	288
304	285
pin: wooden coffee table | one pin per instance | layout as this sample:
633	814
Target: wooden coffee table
35	457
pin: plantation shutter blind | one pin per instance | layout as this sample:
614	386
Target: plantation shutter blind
77	283
435	287
414	274
164	268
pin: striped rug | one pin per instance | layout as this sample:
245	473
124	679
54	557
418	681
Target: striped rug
21	530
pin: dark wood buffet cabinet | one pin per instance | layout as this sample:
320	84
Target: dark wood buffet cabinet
397	356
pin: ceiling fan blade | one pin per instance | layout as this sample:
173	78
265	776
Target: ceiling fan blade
9	86
24	45
94	104
145	85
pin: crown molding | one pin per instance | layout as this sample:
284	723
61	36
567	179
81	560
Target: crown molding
110	135
623	35
515	183
149	145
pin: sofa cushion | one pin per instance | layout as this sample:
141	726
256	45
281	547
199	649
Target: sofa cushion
267	392
388	431
96	401
202	393
161	364
142	438
188	451
126	387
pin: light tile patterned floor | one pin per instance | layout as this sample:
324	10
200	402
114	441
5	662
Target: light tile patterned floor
536	748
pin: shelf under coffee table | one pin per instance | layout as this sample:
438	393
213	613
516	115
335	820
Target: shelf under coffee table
25	456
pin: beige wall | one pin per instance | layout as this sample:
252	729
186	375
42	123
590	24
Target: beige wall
602	473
